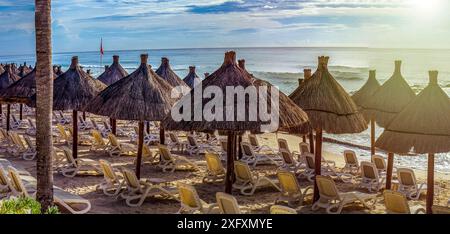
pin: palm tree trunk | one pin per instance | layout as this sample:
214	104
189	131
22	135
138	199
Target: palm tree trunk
44	103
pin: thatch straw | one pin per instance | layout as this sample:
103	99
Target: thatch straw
113	73
327	104
57	70
192	79
231	75
73	89
1	69
24	70
390	98
8	77
166	72
423	126
366	93
142	95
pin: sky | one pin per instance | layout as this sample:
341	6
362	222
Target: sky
78	25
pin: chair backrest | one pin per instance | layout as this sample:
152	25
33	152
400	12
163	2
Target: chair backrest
69	156
310	163
165	153
369	170
283	144
227	203
98	139
396	202
242	171
406	177
327	187
14	118
113	140
287	157
191	141
173	137
106	124
16	182
94	124
189	196
3	133
62	131
61	114
282	210
108	171
131	178
253	140
379	161
224	145
288	182
16	138
28	142
304	147
247	149
146	152
3	178
214	164
350	157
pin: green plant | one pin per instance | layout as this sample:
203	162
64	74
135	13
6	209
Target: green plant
24	205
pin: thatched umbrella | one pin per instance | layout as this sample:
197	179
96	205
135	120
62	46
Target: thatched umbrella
72	90
166	72
6	79
23	70
230	75
364	95
329	108
192	79
141	96
1	69
57	70
423	126
389	100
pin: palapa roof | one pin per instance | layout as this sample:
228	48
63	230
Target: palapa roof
1	69
192	78
166	72
390	98
8	77
73	89
366	92
23	70
57	70
423	126
113	73
327	104
231	75
142	95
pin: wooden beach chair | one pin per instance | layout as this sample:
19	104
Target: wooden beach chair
370	177
408	184
113	183
73	166
252	158
291	191
396	203
351	161
215	171
334	201
191	202
169	163
247	183
117	149
228	204
282	210
138	190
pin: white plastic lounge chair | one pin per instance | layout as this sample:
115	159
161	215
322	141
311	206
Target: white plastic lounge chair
148	138
83	124
138	190
252	158
30	153
60	118
334	201
351	161
16	123
215	171
191	202
73	166
289	163
370	177
31	130
281	210
175	142
169	163
113	183
117	149
102	130
381	165
408	184
253	140
283	144
291	191
228	204
98	144
304	149
326	170
63	136
247	183
396	203
193	147
107	127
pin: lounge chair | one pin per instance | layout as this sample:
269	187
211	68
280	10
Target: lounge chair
253	158
370	177
283	144
304	149
326	170
102	130
138	190
107	127
351	161
5	185
253	140
31	130
215	171
71	202
247	183
282	210
148	155
175	142
223	149
291	191
396	203
408	184
60	118
445	210
30	153
63	136
113	184
169	163
73	166
82	139
381	165
118	149
193	147
16	147
228	204
191	202
289	163
334	201
83	124
98	144
16	123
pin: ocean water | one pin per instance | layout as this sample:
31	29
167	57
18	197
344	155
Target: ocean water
284	66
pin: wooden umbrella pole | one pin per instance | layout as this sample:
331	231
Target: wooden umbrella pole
389	170
239	141
162	136
112	122
21	111
318	161
372	136
75	134
311	142
231	151
8	113
140	145
304	138
430	183
84	115
148	127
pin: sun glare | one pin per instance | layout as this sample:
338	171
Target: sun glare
426	6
